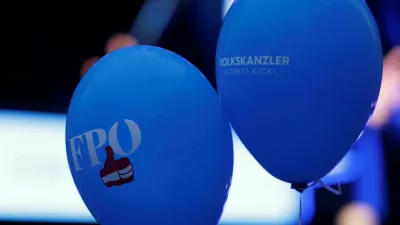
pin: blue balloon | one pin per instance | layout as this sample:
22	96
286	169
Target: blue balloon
299	81
147	141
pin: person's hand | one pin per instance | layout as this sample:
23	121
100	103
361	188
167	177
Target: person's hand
115	42
389	96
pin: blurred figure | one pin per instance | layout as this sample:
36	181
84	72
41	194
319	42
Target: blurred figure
389	97
388	105
357	214
117	41
87	64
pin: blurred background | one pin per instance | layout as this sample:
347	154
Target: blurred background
46	48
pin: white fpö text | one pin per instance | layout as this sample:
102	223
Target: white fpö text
88	139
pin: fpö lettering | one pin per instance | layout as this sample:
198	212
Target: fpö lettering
88	139
254	61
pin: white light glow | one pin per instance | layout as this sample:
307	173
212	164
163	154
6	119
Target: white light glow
37	184
226	4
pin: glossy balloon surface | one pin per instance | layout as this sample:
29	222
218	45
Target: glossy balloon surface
299	80
147	142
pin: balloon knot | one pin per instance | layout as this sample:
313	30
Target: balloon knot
300	187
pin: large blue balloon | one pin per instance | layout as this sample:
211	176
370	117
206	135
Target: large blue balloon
299	80
147	142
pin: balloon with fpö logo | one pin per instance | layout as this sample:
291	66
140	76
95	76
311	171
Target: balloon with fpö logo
299	81
147	142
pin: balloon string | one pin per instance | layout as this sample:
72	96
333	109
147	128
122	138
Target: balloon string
329	188
324	185
301	210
